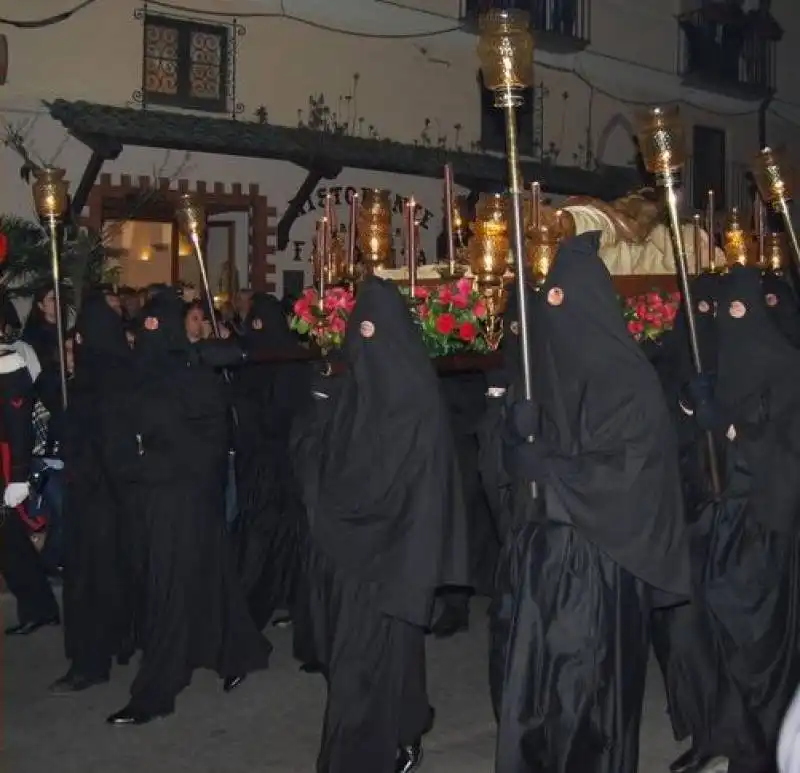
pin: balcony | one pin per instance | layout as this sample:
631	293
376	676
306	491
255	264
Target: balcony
724	50
560	26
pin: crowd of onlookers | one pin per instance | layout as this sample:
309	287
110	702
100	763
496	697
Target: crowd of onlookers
39	334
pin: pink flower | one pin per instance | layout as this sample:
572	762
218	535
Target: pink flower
464	287
479	310
460	301
654	299
445	296
337	325
421	292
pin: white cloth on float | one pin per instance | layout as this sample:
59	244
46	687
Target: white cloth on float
652	257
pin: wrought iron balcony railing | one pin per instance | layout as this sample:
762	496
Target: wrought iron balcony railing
728	52
561	26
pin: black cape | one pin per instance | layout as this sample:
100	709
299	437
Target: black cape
387	506
582	566
99	580
782	305
749	541
268	398
611	466
194	609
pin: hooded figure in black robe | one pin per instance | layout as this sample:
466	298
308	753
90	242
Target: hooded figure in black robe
681	638
750	581
194	612
510	503
465	396
385	510
782	305
609	543
98	607
270	509
676	370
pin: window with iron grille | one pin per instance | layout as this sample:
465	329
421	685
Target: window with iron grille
708	166
186	64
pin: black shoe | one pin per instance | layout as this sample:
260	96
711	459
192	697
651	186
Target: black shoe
408	758
26	629
453	620
232	682
690	761
131	716
73	681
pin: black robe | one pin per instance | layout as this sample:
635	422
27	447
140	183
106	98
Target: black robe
782	305
693	679
99	537
194	610
383	498
749	540
465	395
268	397
603	545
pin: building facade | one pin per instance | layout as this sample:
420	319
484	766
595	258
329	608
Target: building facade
262	106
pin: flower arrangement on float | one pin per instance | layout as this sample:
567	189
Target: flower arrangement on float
451	318
323	322
650	315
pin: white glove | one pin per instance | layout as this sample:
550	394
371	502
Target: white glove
15	494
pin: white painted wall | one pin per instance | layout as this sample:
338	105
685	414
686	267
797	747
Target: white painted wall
96	56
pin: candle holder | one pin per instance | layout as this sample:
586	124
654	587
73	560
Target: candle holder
190	216
334	265
543	234
51	199
662	144
736	246
375	229
774	254
506	53
488	253
776	188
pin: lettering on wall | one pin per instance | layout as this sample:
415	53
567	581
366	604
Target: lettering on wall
342	196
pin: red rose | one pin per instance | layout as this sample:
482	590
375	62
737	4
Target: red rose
445	324
479	310
467	332
635	327
3	248
421	292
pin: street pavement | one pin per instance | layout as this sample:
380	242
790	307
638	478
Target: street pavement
271	723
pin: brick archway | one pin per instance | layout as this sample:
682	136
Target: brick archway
147	199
